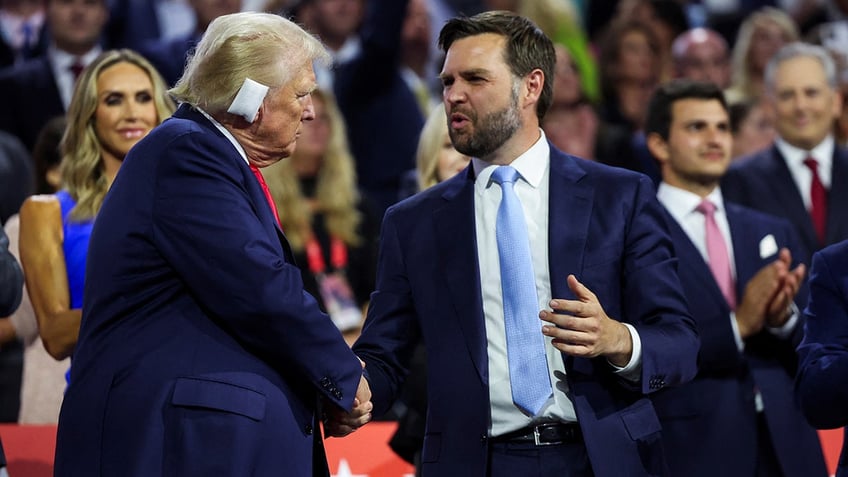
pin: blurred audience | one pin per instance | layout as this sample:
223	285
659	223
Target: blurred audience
135	22
761	35
571	123
120	97
169	55
701	54
665	18
22	33
17	178
752	126
332	231
35	91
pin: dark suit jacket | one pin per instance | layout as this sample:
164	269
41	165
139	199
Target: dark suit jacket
131	24
169	56
822	381
11	278
762	181
199	352
608	229
17	177
381	113
710	424
30	98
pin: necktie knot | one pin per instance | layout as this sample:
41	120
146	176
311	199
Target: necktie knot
706	207
76	68
505	175
812	164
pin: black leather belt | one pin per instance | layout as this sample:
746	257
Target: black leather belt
545	434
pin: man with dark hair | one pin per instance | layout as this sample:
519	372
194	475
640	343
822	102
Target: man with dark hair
526	233
737	417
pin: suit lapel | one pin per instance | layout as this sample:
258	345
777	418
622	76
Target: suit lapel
570	205
692	261
457	243
746	247
785	192
254	190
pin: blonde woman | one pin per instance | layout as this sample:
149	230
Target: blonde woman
332	232
117	100
760	36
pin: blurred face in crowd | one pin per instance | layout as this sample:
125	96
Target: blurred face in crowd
637	60
125	109
804	103
480	95
768	37
337	19
755	131
567	88
274	133
704	57
697	152
208	10
76	25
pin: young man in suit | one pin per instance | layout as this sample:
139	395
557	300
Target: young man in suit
737	418
196	331
804	175
821	385
597	261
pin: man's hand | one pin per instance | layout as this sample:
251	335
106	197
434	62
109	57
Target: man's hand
339	423
779	310
768	295
584	329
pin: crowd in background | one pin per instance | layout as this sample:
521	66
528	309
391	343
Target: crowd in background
378	136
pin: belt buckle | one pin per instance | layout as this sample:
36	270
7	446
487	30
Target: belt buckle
537	434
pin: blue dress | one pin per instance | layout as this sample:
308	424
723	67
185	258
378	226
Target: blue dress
75	245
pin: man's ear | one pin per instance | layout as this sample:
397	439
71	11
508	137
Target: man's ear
658	147
533	84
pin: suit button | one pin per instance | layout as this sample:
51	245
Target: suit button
337	394
484	438
308	430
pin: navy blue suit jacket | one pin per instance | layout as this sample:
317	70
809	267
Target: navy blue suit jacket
710	424
199	352
30	98
822	381
169	56
381	113
763	182
608	229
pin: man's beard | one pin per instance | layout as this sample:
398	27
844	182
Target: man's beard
490	133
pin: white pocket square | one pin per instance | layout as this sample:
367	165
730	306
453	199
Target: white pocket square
768	246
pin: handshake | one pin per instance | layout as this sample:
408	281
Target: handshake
339	423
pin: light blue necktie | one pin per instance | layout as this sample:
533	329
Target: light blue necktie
525	344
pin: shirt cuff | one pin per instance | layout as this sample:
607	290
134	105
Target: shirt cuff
633	370
786	330
740	343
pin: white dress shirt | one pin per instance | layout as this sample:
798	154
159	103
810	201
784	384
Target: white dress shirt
532	190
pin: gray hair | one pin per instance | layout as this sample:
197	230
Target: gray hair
264	47
796	50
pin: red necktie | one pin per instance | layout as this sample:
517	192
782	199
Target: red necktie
818	200
719	258
267	191
76	68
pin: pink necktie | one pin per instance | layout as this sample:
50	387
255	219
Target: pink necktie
261	179
818	200
717	251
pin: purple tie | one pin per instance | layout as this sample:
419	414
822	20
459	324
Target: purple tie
719	259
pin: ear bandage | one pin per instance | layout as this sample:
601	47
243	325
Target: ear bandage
248	100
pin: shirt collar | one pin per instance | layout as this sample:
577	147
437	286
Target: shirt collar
822	153
680	202
531	164
226	132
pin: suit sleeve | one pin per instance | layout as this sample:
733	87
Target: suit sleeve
653	298
206	226
821	385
